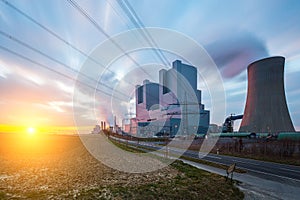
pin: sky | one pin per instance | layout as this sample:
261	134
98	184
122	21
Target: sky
44	44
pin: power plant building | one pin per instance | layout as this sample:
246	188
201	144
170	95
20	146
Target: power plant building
166	108
266	109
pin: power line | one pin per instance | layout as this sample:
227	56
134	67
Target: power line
53	34
98	27
66	42
53	59
56	36
52	70
122	18
44	27
132	15
161	56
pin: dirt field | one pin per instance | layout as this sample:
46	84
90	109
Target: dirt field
59	167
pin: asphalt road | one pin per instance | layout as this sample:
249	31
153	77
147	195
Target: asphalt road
287	174
263	180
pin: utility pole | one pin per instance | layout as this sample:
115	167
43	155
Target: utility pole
185	115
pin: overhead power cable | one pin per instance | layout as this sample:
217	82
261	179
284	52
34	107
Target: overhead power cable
53	70
55	60
98	27
137	22
54	34
66	42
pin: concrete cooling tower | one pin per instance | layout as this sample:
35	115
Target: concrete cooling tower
266	110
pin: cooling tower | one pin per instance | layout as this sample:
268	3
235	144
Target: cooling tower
266	109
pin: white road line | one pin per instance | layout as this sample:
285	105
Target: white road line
284	177
266	173
291	170
246	162
219	158
260	172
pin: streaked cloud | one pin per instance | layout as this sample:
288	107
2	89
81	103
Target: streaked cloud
233	53
234	34
4	70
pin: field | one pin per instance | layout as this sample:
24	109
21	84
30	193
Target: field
59	167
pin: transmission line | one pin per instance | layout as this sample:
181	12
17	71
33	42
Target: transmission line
54	34
84	13
53	59
134	18
52	70
98	27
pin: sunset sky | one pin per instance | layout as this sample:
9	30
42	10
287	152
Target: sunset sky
42	47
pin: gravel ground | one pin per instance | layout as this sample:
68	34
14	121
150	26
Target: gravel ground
62	168
59	167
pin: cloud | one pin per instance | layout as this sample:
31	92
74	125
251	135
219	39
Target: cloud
64	87
57	105
233	53
292	64
24	101
3	70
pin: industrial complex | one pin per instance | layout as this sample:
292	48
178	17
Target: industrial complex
173	106
170	106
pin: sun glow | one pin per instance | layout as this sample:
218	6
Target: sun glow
31	130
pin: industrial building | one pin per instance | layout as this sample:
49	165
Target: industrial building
266	109
172	106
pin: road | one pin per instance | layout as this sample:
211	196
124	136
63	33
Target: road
262	169
268	170
263	180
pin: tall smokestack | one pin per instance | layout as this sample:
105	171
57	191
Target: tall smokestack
266	109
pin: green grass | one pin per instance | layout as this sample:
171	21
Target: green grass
192	183
217	165
60	167
3	195
204	162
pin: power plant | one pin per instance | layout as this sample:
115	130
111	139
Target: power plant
266	110
162	107
172	106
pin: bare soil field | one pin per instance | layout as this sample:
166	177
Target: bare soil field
59	167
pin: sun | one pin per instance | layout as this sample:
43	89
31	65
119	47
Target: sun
31	130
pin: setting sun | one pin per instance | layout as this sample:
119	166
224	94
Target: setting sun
31	130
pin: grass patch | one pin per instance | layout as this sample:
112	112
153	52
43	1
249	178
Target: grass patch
60	167
192	183
135	149
125	147
3	195
204	162
217	165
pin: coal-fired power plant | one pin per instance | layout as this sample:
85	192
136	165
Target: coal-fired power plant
266	109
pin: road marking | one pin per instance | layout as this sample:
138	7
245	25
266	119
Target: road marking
284	177
266	173
246	162
207	155
260	172
291	170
